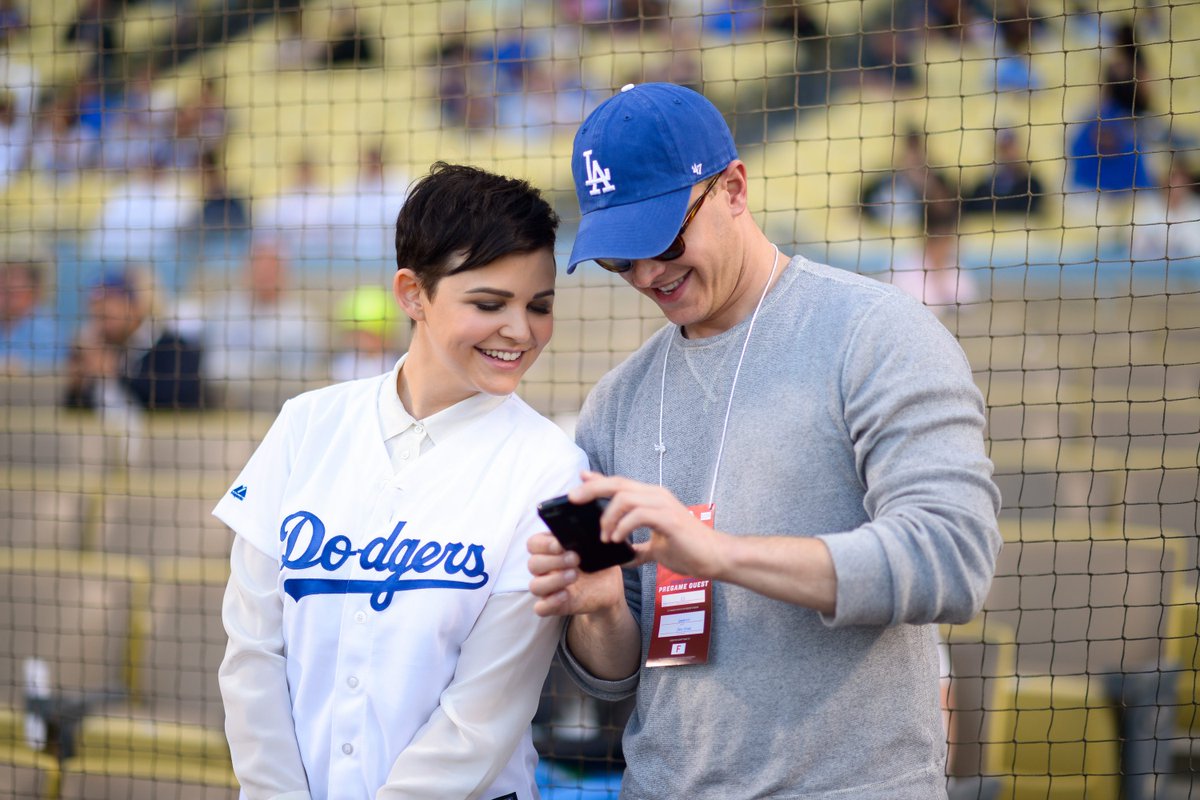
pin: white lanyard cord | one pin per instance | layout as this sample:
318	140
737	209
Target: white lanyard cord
661	447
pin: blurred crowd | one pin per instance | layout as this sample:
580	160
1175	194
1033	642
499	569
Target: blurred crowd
169	211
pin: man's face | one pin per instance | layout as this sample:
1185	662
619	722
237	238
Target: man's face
698	289
115	315
18	293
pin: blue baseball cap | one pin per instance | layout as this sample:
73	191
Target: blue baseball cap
635	160
114	282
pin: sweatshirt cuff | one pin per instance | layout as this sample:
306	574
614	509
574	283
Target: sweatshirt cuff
596	687
865	591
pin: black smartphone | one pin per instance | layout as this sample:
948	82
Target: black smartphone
577	527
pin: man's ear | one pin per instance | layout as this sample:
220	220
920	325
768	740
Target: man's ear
737	186
406	287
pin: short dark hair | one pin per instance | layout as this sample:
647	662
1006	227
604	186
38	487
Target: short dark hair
458	218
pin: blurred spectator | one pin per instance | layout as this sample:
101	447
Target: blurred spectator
260	331
137	129
1126	88
364	320
29	340
453	65
903	197
221	210
294	49
1009	187
885	59
1013	40
200	128
61	145
93	30
347	45
1166	222
18	78
141	220
12	20
364	210
934	276
1108	153
791	19
15	137
956	20
301	216
728	18
123	358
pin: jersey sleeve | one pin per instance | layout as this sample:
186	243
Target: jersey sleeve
250	507
556	480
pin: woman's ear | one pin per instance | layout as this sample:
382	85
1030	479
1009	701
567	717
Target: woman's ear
406	287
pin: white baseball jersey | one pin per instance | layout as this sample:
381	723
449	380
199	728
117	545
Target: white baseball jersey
383	577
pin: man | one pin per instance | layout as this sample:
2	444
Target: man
29	341
791	651
123	359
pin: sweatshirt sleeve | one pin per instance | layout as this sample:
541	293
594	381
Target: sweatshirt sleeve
915	419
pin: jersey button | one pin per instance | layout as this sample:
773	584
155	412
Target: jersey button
404	455
360	617
347	748
352	682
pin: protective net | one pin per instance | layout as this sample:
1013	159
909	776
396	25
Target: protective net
196	200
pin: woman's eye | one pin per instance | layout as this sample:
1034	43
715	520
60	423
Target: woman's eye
489	306
544	308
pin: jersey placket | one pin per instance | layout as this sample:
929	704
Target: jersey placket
360	623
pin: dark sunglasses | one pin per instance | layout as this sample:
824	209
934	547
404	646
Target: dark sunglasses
676	248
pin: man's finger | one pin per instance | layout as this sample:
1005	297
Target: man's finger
543	544
546	564
552	583
557	605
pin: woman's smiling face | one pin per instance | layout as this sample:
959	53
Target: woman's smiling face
483	328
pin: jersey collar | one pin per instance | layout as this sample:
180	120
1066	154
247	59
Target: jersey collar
395	419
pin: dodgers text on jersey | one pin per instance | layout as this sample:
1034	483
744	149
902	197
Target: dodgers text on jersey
305	547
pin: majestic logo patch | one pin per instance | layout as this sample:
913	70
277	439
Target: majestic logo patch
697	169
305	547
599	180
240	492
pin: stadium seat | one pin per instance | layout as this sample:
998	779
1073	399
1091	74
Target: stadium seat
83	617
49	437
981	653
143	760
26	773
163	526
186	643
45	516
1086	599
1053	737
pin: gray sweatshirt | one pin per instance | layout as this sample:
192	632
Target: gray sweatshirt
856	420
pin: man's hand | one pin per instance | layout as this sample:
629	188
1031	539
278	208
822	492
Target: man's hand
602	632
678	540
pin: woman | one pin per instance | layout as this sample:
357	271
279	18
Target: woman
382	642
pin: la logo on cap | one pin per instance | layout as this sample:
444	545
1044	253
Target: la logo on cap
599	179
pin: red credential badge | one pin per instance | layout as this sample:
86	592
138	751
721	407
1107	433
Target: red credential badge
682	612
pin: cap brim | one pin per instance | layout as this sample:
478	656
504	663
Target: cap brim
634	230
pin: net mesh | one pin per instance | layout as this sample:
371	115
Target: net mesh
231	168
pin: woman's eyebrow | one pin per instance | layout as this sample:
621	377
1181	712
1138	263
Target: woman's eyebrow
504	293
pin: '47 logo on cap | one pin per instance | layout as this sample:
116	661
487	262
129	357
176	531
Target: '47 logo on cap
599	179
